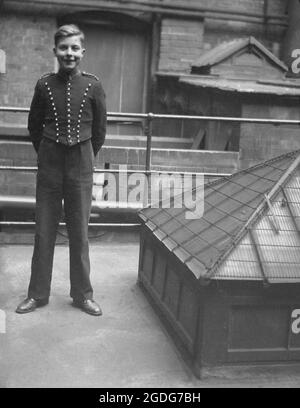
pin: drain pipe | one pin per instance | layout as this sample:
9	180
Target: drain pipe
291	41
28	203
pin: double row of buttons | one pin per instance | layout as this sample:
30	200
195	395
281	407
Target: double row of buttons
68	112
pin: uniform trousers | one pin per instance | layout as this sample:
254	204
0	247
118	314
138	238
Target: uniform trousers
64	173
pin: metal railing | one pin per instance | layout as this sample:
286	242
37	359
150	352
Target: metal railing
150	117
148	131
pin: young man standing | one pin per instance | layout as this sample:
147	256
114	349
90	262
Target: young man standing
67	125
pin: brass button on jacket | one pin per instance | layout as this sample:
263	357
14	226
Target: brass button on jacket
63	103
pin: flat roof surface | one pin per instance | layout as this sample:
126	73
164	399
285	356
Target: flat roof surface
60	346
243	86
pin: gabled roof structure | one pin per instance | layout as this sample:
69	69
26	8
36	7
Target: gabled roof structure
227	49
250	229
243	65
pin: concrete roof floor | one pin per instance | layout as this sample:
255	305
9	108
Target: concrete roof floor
60	346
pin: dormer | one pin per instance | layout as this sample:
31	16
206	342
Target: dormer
244	58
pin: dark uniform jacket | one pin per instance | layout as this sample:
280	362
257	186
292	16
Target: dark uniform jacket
68	109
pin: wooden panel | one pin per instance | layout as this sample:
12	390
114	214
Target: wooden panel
212	337
103	58
119	58
141	141
17	183
198	139
248	59
247	72
22	153
159	274
181	159
178	333
223	135
261	142
264	332
258	327
172	289
188	310
147	263
257	356
134	72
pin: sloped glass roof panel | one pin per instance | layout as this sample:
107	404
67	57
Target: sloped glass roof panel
243	253
284	272
284	222
239	270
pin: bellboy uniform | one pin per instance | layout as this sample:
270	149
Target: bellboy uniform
67	125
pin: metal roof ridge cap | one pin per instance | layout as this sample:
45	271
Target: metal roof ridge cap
234	46
258	44
256	166
227	251
283	179
258	256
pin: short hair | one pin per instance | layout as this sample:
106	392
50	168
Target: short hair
67	30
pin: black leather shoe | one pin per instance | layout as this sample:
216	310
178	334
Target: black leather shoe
89	306
29	305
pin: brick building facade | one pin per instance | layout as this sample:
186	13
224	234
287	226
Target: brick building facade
182	31
26	41
163	36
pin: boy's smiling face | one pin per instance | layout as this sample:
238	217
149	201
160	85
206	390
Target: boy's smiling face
69	52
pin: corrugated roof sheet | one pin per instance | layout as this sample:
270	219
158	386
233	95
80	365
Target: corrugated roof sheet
228	48
243	86
249	229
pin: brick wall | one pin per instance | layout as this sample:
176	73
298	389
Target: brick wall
251	6
217	32
260	142
180	43
27	42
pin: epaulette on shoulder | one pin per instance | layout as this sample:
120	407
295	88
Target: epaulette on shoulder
47	74
90	75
